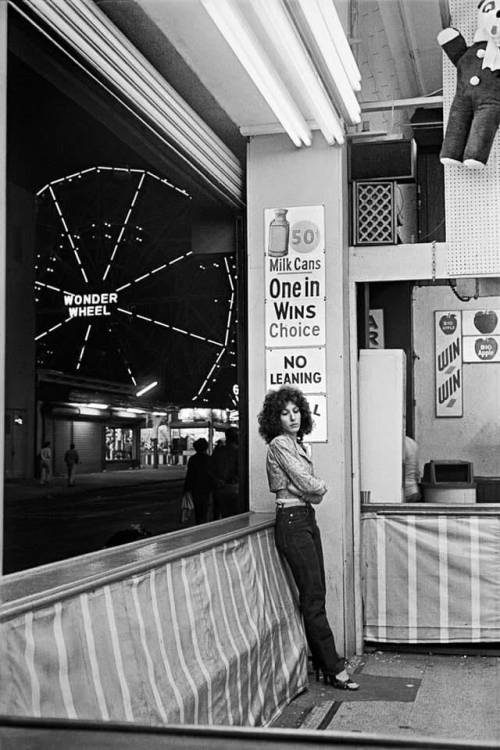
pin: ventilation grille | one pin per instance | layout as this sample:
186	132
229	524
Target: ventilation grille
374	213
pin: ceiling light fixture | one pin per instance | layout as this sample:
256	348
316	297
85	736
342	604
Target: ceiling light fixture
88	412
327	38
249	52
339	39
128	76
287	42
147	388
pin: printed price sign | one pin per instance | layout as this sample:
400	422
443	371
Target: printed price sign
305	236
295	300
295	276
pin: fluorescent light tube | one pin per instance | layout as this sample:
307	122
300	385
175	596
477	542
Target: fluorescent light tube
249	52
318	26
86	29
147	388
287	42
339	39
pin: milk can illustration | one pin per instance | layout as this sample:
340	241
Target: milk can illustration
279	230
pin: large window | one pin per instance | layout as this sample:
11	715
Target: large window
123	302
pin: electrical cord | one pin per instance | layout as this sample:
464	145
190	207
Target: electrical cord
462	298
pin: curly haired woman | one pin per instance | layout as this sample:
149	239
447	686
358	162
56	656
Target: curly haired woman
284	420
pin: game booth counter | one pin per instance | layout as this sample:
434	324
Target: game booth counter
429	569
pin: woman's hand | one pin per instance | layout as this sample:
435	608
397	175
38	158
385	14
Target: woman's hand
313	499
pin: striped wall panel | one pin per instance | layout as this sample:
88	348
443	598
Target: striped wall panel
212	638
431	579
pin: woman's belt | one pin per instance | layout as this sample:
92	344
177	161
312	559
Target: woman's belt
290	502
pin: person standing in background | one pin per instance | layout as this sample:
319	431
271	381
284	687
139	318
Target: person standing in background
226	476
45	463
411	472
199	480
71	459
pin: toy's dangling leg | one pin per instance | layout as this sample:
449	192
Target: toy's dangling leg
457	131
482	134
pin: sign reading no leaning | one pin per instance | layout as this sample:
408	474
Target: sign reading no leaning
300	368
295	302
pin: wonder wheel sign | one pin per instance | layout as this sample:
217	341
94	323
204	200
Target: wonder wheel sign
119	293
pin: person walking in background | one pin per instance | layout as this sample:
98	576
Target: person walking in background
199	480
71	459
45	463
226	475
284	420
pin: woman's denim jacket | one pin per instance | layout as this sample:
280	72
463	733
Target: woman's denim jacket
288	463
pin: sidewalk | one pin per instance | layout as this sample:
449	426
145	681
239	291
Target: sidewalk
454	697
31	488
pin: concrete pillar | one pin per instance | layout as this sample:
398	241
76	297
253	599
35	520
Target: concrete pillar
278	174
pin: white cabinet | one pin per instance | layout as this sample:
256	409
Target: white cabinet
382	376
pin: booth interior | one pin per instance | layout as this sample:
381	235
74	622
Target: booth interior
429	370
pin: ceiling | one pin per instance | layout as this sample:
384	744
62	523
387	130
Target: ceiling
52	108
393	41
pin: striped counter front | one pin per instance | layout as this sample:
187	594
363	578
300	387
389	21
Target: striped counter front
205	633
431	574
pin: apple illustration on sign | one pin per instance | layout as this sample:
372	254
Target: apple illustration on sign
485	321
448	323
486	348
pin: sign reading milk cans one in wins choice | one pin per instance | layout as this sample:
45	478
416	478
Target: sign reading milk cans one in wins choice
295	276
295	306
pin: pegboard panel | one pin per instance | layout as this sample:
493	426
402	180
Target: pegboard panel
472	198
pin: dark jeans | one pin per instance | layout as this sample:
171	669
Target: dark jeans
201	501
298	539
226	501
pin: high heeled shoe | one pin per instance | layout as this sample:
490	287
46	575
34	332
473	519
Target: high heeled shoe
333	680
316	668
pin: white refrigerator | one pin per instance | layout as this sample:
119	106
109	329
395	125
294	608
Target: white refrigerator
382	381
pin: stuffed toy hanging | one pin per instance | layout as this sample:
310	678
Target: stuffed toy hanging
474	115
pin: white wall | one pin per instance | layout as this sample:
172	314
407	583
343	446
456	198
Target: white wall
281	175
475	436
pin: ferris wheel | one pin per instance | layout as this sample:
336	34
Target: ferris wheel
121	296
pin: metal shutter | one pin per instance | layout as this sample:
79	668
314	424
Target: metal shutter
88	440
